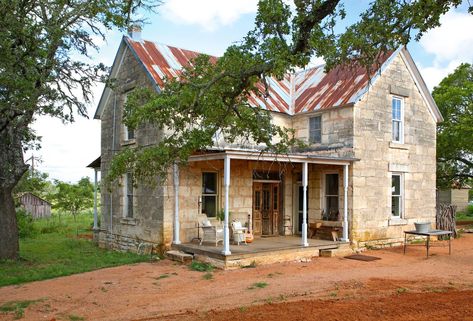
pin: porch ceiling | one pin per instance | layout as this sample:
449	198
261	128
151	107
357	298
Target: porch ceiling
261	156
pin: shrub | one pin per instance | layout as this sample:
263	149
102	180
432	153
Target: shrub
25	223
201	266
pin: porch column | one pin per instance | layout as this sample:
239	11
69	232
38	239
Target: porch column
226	183
305	176
96	220
345	204
176	229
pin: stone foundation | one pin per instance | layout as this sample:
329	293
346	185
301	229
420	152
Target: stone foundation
128	244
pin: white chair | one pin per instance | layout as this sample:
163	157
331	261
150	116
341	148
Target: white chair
211	233
239	232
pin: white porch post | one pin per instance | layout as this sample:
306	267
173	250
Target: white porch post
305	176
176	230
345	204
96	220
226	183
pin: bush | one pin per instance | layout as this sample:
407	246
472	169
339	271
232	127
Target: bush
25	223
469	210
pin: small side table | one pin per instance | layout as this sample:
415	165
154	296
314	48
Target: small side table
428	235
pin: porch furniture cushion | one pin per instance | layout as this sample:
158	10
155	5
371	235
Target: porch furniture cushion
239	232
211	233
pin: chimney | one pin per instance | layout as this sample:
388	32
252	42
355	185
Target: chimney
134	32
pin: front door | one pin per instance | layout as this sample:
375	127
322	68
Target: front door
266	204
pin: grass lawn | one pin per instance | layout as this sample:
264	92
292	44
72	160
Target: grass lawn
59	246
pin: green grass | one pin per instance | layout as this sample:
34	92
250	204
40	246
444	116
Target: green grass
73	317
201	266
18	307
208	276
466	215
57	251
258	285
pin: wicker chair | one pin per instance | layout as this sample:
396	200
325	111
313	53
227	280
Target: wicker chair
211	233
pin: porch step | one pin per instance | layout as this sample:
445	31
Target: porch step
179	256
342	250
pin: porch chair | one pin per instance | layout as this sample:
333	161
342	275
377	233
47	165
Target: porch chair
239	232
211	233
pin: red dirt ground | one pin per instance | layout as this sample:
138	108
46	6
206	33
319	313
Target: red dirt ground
397	287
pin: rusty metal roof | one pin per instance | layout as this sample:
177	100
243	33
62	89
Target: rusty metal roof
308	90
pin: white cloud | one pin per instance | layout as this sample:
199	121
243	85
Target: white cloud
208	14
450	44
453	39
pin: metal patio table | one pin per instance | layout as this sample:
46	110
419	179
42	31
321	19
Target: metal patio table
428	235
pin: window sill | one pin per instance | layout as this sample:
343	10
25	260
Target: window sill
397	145
128	221
128	142
395	221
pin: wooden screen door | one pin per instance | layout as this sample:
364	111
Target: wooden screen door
266	203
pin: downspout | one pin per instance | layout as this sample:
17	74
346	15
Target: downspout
113	153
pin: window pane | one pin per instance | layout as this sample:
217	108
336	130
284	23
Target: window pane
396	185
209	183
209	205
396	130
129	212
332	207
396	206
257	200
275	198
315	129
129	195
396	106
331	184
130	133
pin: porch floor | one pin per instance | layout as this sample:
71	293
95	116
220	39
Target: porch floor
266	249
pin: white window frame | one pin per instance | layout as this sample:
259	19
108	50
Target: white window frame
400	121
126	132
323	190
310	130
216	194
126	195
401	195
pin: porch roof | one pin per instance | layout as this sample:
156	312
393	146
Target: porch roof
262	156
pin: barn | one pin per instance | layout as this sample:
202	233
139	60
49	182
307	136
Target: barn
35	205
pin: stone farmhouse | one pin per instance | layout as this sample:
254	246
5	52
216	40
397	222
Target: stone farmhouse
368	173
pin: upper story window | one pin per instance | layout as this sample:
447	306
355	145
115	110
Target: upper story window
315	129
398	119
129	134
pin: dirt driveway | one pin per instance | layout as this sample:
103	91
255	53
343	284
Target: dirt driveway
397	287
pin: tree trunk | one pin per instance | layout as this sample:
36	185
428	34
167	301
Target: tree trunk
12	167
8	227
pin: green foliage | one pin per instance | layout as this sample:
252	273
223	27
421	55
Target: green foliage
208	276
36	183
25	224
18	307
466	215
454	97
73	317
201	266
64	250
258	285
74	197
214	93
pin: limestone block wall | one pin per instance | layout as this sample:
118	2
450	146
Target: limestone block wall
145	226
337	131
380	157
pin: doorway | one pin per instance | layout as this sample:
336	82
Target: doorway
300	204
266	208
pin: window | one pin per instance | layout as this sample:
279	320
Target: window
398	122
128	206
209	194
129	133
331	197
396	195
315	129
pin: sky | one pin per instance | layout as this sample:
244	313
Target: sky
210	26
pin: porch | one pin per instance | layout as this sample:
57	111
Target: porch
265	250
276	203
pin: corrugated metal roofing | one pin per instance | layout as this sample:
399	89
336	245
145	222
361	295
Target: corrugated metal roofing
312	89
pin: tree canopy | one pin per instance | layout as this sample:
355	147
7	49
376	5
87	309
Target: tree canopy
74	197
210	98
45	69
454	97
